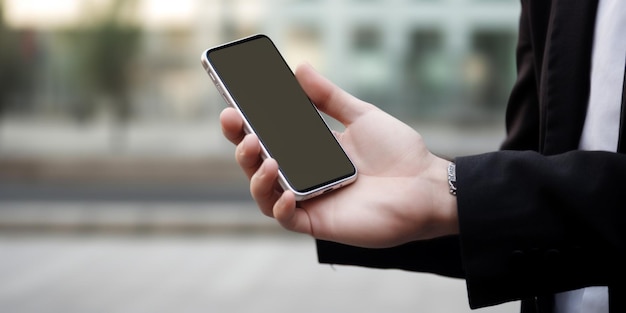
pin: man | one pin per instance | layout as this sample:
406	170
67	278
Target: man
543	220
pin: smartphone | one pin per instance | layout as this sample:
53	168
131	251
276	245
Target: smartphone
254	78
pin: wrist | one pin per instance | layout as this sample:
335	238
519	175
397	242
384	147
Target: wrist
445	212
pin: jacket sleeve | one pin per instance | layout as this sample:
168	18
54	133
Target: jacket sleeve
532	225
438	256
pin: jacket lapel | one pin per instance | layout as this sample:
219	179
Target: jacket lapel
564	92
621	144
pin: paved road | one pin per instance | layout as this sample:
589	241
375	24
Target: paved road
208	273
191	256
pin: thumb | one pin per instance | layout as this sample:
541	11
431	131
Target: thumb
329	98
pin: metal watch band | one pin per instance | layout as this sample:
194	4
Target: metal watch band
452	177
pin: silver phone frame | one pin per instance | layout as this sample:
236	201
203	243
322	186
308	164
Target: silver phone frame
282	180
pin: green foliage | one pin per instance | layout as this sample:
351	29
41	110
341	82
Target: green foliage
12	78
104	53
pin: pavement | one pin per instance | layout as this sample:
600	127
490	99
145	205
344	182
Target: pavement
133	255
194	256
244	272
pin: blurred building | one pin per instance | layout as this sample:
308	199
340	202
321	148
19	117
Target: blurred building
104	78
108	124
415	58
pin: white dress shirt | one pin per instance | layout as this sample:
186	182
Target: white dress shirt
601	130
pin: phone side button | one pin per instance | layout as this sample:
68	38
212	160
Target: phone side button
221	91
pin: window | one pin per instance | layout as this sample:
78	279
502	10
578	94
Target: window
489	69
427	71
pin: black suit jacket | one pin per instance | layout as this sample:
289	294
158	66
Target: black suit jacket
538	217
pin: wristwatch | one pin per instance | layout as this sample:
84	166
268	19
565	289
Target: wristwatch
452	177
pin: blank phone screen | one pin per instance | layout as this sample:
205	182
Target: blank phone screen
286	122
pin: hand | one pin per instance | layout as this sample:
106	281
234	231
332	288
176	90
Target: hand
401	193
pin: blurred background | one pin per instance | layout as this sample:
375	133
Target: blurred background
118	193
